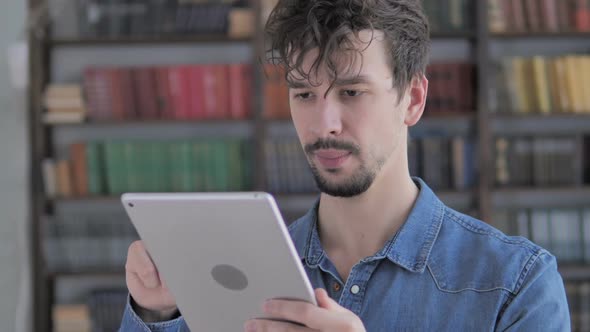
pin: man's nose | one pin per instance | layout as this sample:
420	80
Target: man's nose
329	118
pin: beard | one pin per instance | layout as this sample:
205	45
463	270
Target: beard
355	185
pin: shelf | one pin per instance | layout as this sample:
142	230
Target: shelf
150	122
540	124
540	35
146	40
575	272
65	134
87	273
541	197
453	35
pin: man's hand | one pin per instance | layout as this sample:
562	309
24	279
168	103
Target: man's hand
145	286
328	316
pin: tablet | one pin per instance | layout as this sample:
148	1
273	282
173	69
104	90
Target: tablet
221	254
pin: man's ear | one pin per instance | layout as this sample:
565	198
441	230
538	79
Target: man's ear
417	92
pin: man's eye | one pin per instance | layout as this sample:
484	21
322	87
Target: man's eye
351	93
303	95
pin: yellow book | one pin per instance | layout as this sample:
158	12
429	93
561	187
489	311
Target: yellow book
585	62
553	83
563	84
518	66
574	97
541	88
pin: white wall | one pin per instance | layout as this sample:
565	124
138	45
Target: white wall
13	171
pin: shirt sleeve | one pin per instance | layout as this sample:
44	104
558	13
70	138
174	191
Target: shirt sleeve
132	323
540	303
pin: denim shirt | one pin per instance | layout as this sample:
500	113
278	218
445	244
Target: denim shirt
442	271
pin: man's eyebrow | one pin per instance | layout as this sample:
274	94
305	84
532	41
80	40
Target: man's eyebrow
341	81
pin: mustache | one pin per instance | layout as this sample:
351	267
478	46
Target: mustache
332	144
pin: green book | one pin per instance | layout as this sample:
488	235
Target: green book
186	168
162	176
223	165
131	176
234	165
114	167
176	167
95	165
208	166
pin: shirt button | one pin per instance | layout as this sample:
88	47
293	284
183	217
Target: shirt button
355	289
336	287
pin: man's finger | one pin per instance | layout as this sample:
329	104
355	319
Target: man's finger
300	312
140	262
326	302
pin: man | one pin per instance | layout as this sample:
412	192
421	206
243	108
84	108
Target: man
383	252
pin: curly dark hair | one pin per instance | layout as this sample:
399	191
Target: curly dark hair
295	27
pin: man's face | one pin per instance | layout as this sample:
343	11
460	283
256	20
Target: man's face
356	131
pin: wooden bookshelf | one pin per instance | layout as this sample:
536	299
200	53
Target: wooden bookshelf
541	35
479	124
86	274
453	35
147	40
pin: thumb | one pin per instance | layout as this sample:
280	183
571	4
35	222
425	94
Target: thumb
325	301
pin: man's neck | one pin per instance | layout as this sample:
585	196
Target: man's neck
360	226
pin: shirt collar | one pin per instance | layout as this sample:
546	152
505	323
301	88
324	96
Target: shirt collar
408	248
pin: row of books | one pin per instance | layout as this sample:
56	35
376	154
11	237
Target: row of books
102	312
564	232
444	163
578	298
112	168
449	15
544	85
450	88
538	161
87	241
105	18
196	92
539	15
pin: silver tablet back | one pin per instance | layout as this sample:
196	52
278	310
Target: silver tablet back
221	254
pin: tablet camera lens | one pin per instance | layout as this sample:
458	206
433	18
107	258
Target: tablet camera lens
130	204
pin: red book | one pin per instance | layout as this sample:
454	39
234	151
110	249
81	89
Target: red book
146	96
97	88
79	169
209	91
518	16
533	15
197	85
240	90
164	96
179	79
276	93
116	86
221	91
433	95
564	15
549	15
582	15
127	93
